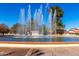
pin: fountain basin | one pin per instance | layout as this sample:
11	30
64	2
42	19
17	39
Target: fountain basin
40	39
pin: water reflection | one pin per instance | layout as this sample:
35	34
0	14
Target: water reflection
39	39
58	39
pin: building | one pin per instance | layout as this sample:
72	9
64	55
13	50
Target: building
73	31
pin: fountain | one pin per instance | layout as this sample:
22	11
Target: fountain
39	22
50	21
35	35
29	18
21	24
36	30
40	19
54	22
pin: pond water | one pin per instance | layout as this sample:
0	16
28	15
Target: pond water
43	39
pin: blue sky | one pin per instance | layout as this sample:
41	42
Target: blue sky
10	12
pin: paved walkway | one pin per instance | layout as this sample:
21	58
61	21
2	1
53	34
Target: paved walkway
46	51
39	49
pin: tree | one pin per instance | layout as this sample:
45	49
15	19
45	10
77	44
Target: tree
14	28
59	15
31	25
43	29
4	29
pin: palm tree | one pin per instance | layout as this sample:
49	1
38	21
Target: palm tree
59	15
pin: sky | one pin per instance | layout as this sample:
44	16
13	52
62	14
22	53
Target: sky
10	12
